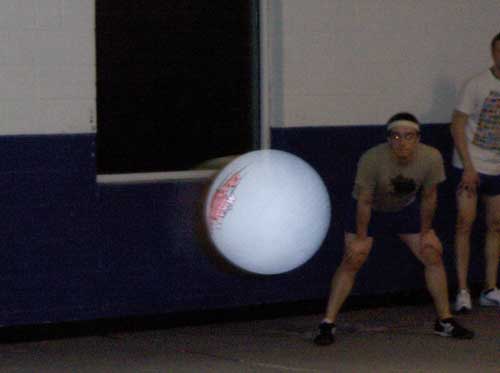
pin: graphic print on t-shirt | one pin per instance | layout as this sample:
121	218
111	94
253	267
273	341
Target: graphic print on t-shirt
402	186
487	135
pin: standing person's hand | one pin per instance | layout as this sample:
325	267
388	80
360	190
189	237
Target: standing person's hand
470	182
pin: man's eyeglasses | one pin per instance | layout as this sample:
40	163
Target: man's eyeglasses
410	136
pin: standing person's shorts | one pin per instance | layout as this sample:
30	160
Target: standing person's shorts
405	221
488	184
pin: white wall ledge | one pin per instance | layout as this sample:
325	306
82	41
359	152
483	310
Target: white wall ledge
154	177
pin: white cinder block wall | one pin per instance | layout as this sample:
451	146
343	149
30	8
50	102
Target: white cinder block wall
343	62
47	66
326	62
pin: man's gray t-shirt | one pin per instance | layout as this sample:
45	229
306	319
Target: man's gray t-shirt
394	185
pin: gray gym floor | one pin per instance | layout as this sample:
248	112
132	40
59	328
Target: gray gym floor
380	339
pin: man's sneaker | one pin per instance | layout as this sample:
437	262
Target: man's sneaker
326	334
490	297
450	328
463	302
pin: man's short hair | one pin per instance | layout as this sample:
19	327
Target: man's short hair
494	40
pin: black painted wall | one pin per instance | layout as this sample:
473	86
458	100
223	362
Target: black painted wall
177	83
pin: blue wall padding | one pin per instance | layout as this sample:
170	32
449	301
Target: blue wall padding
49	249
75	250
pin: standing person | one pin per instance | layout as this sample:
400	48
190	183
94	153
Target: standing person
476	133
390	177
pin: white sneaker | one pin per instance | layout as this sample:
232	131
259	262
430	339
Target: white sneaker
490	297
463	302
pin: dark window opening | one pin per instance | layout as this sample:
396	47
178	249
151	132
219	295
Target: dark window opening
177	83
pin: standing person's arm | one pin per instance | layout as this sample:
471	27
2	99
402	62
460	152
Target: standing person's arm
458	124
470	178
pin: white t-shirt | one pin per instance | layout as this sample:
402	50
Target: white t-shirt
480	100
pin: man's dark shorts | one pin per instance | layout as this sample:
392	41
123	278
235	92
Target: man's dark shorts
488	184
405	221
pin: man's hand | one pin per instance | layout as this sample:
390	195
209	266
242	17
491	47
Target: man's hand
361	243
428	239
469	182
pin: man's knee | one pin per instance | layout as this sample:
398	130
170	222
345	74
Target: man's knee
493	225
464	223
432	254
354	258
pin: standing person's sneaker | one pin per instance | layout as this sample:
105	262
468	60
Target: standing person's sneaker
450	328
463	302
490	297
326	334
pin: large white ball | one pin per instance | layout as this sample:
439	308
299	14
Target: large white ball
267	212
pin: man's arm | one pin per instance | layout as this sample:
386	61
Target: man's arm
363	213
470	178
427	208
458	124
